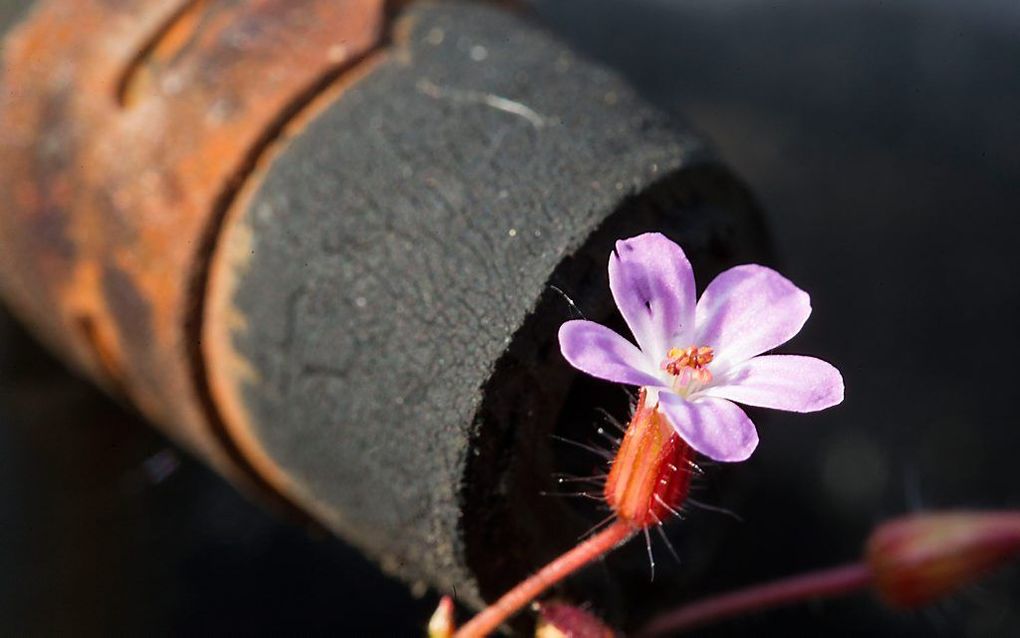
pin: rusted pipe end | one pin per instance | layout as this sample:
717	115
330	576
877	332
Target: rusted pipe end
318	247
380	326
130	129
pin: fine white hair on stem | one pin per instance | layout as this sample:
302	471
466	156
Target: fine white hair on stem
715	508
569	301
612	439
612	420
658	499
587	495
596	479
669	545
606	454
651	558
598	526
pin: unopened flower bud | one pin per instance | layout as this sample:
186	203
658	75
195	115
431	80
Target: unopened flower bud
918	559
559	620
441	625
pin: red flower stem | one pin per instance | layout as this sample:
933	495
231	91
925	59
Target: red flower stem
828	583
530	588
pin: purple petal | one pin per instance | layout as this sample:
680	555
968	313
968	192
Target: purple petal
782	382
653	285
748	310
715	427
602	353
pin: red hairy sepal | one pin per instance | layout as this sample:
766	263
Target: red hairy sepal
651	473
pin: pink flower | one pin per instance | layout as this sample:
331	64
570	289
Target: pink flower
695	359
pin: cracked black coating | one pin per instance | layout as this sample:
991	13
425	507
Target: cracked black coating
400	247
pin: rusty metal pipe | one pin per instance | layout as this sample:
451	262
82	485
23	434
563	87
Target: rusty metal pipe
315	241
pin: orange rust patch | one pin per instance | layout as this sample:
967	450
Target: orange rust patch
169	39
112	211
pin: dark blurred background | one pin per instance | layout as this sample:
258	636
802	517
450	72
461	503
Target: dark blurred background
882	140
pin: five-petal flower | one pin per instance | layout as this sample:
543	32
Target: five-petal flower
696	358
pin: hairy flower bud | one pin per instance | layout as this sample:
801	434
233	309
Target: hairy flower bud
918	559
441	625
559	620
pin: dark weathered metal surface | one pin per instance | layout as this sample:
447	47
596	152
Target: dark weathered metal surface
380	326
128	126
317	248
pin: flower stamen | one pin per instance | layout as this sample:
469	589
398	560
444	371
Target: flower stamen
689	364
